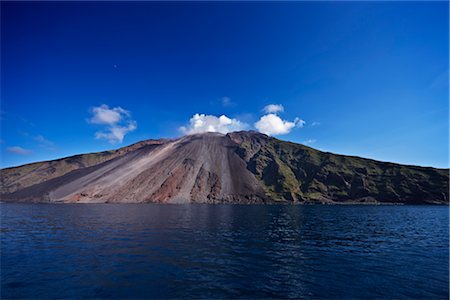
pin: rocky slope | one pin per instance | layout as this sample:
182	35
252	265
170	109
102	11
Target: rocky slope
240	167
13	179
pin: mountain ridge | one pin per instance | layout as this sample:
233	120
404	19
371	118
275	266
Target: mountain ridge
204	167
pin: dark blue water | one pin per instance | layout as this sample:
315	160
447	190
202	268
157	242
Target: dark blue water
223	251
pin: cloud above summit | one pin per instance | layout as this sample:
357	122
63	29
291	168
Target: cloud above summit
270	123
200	123
116	123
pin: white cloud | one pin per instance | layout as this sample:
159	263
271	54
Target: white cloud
19	150
299	122
117	120
315	124
309	141
271	124
109	116
273	108
115	134
208	123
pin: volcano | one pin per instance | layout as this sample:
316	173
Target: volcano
239	167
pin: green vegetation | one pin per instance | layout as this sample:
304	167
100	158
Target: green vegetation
296	173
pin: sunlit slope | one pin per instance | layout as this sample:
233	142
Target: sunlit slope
16	178
240	167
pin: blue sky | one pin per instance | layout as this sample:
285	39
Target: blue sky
358	78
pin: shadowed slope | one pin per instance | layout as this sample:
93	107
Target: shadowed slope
295	172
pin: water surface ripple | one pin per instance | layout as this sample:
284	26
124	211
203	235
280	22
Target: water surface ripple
223	251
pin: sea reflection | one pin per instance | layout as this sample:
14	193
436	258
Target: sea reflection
223	251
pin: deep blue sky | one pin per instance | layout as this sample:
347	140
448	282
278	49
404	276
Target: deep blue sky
372	77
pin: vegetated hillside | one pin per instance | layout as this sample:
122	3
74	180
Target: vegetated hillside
295	172
240	167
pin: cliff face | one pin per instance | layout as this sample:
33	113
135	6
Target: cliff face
240	167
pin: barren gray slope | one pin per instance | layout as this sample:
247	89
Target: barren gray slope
196	168
17	178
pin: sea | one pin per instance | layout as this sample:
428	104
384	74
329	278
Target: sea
163	251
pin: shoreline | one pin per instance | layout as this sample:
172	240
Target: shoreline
353	203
